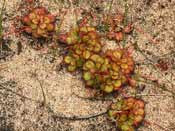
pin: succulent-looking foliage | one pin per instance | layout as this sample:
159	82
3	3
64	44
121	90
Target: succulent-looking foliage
39	22
127	113
107	71
82	43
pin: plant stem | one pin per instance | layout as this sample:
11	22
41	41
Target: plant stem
93	98
125	22
41	86
126	13
1	17
75	118
110	7
153	95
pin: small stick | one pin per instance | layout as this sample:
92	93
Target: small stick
110	7
92	98
125	13
153	95
61	22
41	86
34	74
77	118
1	17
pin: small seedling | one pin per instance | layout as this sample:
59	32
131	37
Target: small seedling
127	113
110	72
82	43
39	23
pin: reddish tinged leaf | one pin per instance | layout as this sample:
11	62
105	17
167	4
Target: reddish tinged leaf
43	26
28	30
32	15
128	28
119	18
132	82
139	104
26	20
119	36
111	35
130	117
40	11
50	27
92	35
137	120
51	17
29	1
163	65
40	21
63	38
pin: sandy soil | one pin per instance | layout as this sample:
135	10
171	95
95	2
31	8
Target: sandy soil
22	76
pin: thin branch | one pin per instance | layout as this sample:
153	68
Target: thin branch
92	98
41	86
110	7
125	22
77	118
61	22
153	95
126	12
1	17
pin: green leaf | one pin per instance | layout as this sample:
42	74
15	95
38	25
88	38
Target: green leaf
87	76
71	68
108	88
68	59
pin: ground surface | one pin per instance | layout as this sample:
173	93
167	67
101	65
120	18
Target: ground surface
22	75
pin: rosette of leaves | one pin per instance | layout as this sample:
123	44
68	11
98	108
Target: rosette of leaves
39	23
96	71
121	66
110	72
121	60
86	37
127	113
82	43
